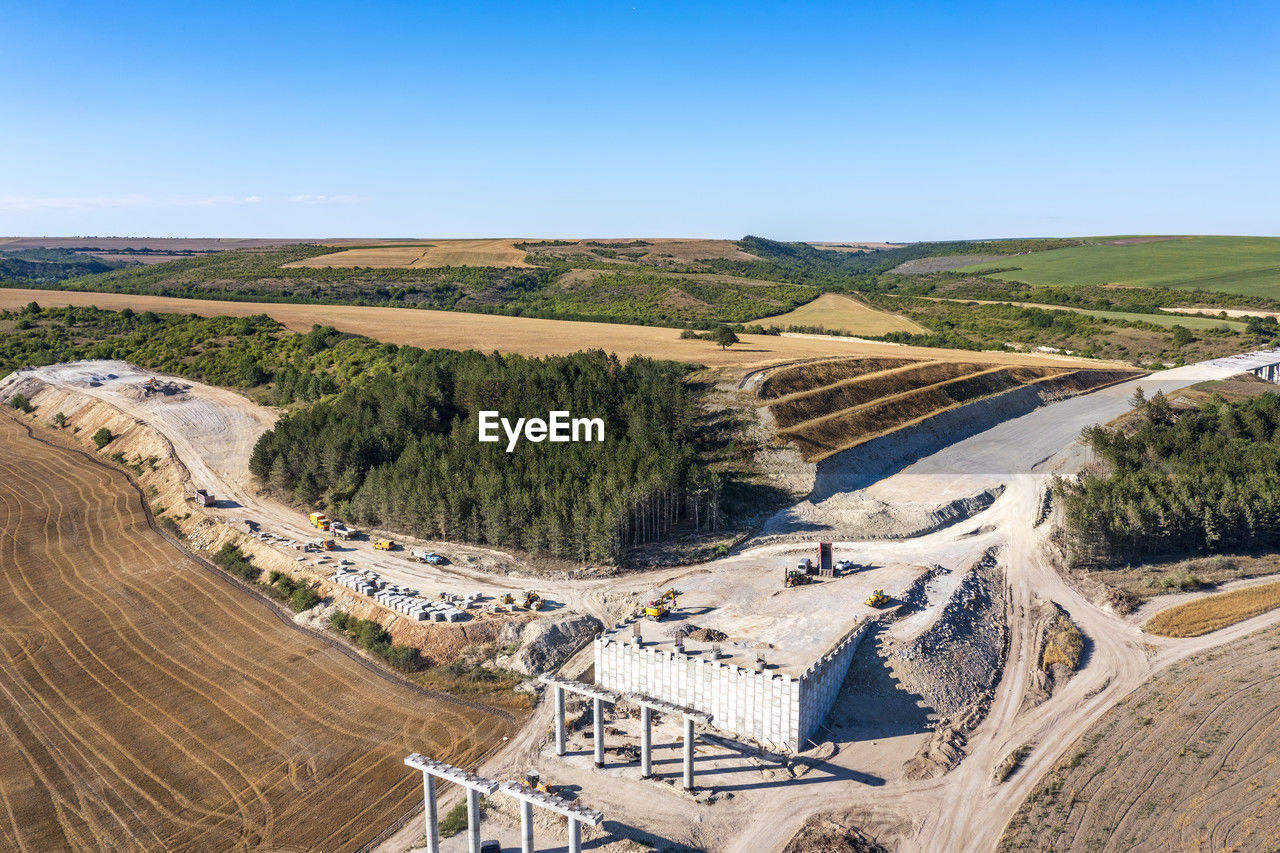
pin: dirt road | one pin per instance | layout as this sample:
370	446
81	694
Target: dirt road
964	810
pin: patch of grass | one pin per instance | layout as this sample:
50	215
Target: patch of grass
1245	265
1011	762
1063	644
1214	611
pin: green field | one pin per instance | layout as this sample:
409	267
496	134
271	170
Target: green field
1245	265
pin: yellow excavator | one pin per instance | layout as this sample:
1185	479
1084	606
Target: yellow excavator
877	598
658	607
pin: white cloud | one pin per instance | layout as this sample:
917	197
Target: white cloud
340	198
26	203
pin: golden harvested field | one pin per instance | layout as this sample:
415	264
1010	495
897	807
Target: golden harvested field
1186	762
146	703
832	406
526	335
1214	611
837	311
437	253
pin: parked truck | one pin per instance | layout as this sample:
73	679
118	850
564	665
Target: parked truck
203	498
337	528
383	545
319	521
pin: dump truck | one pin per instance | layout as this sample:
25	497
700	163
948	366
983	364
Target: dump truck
319	521
327	544
337	528
877	598
824	558
203	498
383	545
658	607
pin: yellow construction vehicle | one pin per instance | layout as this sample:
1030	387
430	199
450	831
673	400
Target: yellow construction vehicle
319	521
877	598
508	599
383	544
532	601
327	544
658	607
796	578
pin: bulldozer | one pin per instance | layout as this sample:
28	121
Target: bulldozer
877	598
532	601
658	607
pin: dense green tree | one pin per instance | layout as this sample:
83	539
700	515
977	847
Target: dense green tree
1178	482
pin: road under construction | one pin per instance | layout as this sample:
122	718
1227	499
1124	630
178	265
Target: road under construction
632	757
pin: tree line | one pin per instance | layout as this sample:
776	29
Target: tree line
1180	482
401	452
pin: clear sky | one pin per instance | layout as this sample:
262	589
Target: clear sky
817	121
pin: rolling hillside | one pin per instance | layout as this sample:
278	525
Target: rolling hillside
1243	265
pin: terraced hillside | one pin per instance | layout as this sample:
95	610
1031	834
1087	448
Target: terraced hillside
830	406
148	704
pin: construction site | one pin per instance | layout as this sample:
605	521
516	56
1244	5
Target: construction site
881	640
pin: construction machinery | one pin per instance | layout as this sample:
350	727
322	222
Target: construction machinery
203	498
532	601
877	598
795	577
319	521
508	598
327	544
342	531
824	558
383	545
658	607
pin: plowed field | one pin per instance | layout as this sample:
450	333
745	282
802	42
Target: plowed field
1187	762
148	703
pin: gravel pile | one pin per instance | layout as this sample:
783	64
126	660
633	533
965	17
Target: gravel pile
958	661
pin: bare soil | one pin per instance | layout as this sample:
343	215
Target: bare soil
1186	762
148	702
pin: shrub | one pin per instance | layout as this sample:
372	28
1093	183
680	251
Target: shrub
102	437
21	403
304	598
233	561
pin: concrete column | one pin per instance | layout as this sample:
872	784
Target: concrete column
575	836
526	826
688	753
597	719
432	816
473	821
646	742
559	720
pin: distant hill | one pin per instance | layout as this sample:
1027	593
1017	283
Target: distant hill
1249	266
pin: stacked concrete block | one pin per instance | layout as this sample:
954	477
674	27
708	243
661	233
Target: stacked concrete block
773	708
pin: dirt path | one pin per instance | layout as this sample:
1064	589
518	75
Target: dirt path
963	810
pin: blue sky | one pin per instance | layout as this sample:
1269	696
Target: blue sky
819	121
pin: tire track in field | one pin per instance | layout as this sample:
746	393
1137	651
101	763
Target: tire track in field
328	778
